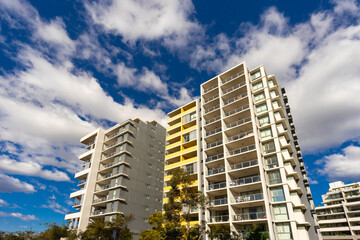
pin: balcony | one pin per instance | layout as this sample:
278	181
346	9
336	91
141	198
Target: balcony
232	77
240	136
249	198
244	164
213	132
214	157
212	120
237	98
250	216
221	218
233	88
214	144
211	109
216	171
242	150
217	186
210	88
236	110
211	98
237	123
218	202
243	181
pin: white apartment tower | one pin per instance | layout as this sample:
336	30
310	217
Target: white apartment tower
123	170
339	218
239	140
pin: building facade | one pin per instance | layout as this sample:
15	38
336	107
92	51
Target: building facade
122	174
339	218
240	143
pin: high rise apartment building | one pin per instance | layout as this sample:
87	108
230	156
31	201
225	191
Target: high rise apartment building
122	174
239	142
339	218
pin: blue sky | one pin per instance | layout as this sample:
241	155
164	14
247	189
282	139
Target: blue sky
68	67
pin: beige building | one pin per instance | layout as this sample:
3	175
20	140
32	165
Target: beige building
239	142
339	218
123	171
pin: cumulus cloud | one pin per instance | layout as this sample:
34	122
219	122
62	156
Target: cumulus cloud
11	184
56	207
19	216
170	21
341	166
30	169
317	61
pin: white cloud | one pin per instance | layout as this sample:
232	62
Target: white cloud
342	6
19	215
30	169
317	61
10	184
344	166
3	203
51	204
169	21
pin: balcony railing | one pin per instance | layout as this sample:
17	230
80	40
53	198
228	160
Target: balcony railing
77	202
243	181
211	98
232	77
81	182
249	198
212	120
237	123
217	186
89	144
239	136
213	132
103	199
218	202
216	171
212	109
227	102
236	110
242	150
249	216
233	88
214	144
210	88
222	218
244	164
214	157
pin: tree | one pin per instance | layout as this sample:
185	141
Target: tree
54	232
219	232
181	198
256	234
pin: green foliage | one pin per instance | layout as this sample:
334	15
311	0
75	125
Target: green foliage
181	197
219	232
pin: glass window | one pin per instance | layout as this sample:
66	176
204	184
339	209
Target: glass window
255	75
274	177
189	117
264	120
271	83
192	116
283	230
259	97
257	86
275	104
277	194
280	212
261	108
189	168
266	133
269	147
271	162
190	136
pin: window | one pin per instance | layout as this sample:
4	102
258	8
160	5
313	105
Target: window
271	83
261	108
264	120
271	162
255	75
274	177
275	104
190	136
273	94
266	133
280	212
147	196
277	194
269	147
189	117
189	168
283	230
257	86
148	186
259	97
146	208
